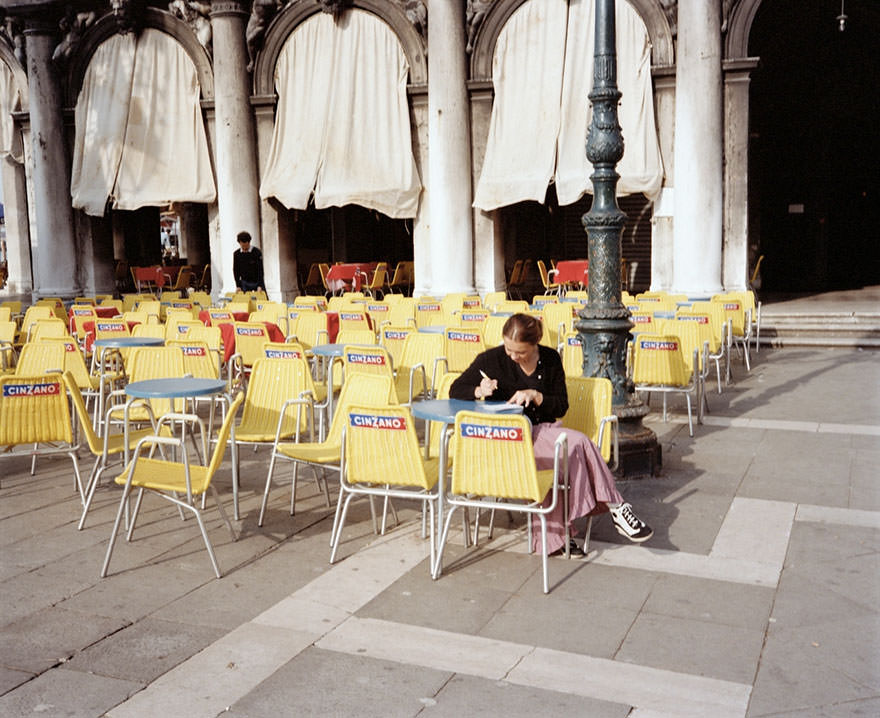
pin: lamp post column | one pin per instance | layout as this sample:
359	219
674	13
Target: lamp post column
604	325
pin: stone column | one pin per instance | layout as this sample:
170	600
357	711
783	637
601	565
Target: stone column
488	235
18	248
662	223
449	150
235	158
53	248
698	149
423	239
735	266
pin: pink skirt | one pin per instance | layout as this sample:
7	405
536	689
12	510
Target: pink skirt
591	483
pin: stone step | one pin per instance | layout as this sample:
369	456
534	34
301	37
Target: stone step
833	329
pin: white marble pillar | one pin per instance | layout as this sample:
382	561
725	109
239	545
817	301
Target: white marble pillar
488	238
449	151
53	249
699	149
662	223
735	266
18	249
235	157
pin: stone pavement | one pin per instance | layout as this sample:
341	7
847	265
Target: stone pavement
759	594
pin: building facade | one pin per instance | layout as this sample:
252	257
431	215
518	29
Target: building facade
442	131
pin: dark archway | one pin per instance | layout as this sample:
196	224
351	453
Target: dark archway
814	149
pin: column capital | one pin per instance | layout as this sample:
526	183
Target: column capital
225	8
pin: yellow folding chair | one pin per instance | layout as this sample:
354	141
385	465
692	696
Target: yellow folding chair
463	344
429	313
8	330
393	337
492	329
309	329
181	483
659	365
43	328
417	370
365	390
249	340
380	457
40	358
494	468
31	314
589	412
35	414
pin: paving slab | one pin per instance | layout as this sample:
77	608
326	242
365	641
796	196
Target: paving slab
63	693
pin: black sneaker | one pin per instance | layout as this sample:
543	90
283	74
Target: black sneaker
630	525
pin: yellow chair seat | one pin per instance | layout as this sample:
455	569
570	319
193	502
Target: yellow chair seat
167	476
322	453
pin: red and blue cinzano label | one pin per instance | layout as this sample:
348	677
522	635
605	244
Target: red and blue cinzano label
493	433
69	347
283	354
666	346
470	303
731	306
194	351
363	358
378	308
456	336
474	316
182	329
220	315
248	332
641	319
428	307
51	388
373	421
574	341
349	317
110	327
698	318
394	335
83	312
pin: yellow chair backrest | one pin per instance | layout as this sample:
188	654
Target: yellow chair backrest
589	400
238	307
198	360
429	313
470	317
734	311
5	314
355	336
366	360
31	315
109	328
308	299
353	318
39	358
272	382
493	299
512	306
43	328
364	390
418	348
149	306
442	391
310	328
452	303
156	331
82	313
7	342
220	316
572	354
181	328
249	340
558	320
660	359
393	338
14	306
492	328
694	330
283	350
74	362
462	346
34	409
157	363
381	442
56	306
643	321
494	456
378	311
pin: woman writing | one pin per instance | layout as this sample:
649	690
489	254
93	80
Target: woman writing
523	372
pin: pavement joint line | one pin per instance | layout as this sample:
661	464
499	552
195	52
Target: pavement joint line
833	515
559	671
811	427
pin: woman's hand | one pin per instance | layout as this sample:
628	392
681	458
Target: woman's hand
525	397
486	388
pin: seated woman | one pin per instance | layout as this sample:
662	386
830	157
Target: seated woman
523	372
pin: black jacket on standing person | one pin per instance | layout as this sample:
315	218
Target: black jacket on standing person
248	269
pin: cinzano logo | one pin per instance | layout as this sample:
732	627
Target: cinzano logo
82	312
474	316
181	305
110	327
69	347
348	317
220	315
248	332
360	358
641	319
182	329
371	421
194	351
731	306
661	346
395	335
494	433
464	337
283	354
428	307
378	307
47	389
574	341
469	303
698	318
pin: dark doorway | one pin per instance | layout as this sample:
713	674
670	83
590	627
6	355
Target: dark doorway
348	234
814	150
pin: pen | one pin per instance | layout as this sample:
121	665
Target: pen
484	375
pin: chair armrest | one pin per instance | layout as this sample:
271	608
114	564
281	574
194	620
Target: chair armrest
615	437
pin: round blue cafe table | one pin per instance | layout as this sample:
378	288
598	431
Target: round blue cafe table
175	388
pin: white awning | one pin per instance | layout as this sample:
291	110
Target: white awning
543	73
342	128
140	137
